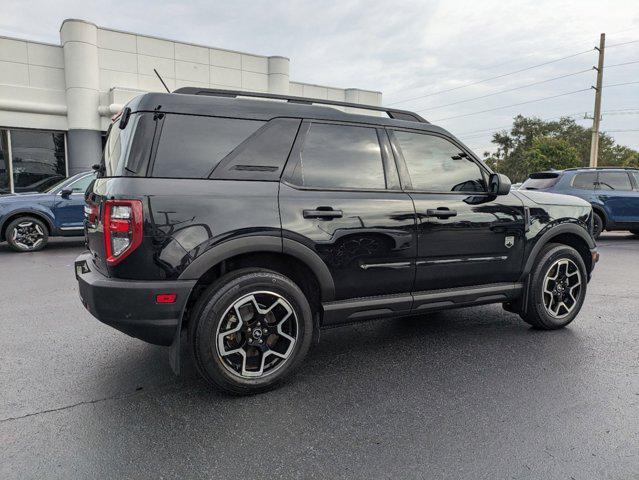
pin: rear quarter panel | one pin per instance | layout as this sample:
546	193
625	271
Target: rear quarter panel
184	218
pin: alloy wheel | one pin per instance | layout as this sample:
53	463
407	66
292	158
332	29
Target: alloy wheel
257	334
561	288
27	235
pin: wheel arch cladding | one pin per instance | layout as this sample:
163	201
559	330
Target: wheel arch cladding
567	234
43	217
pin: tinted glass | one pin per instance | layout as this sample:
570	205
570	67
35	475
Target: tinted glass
435	165
340	156
585	181
539	183
120	158
5	181
614	181
263	156
38	159
191	146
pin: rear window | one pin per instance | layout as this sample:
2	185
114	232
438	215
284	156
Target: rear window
191	146
585	181
539	181
126	157
340	156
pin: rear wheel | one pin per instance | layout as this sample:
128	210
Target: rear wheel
557	289
27	234
598	226
251	329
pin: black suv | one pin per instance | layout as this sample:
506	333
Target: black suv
253	223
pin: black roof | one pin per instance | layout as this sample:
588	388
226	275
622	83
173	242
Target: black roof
230	106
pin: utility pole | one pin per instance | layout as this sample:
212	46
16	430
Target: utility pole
596	118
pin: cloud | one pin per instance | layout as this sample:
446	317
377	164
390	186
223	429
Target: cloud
404	48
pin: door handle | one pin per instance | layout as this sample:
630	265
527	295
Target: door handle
323	212
441	212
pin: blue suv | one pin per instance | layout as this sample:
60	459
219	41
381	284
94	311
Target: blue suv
612	192
27	220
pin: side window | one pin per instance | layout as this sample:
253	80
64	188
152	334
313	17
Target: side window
585	181
436	165
636	175
340	156
614	181
81	185
191	146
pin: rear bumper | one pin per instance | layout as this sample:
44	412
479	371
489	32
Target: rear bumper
130	305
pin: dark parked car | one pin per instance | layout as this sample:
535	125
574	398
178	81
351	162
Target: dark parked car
612	192
27	220
251	224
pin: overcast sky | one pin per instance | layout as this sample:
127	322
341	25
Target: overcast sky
404	49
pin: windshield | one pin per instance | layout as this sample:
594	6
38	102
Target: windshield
68	181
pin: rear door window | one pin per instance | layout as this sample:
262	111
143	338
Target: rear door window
614	181
340	156
191	146
585	181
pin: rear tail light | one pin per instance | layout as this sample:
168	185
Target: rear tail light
122	229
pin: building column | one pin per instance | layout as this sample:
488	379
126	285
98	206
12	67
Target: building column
278	75
80	46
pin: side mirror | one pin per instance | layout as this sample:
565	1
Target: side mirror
66	193
499	184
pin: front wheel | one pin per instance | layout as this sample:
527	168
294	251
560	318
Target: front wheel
27	234
557	289
251	329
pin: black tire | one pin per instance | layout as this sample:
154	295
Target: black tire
598	226
537	313
215	311
27	234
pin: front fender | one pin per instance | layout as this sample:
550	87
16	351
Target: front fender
548	235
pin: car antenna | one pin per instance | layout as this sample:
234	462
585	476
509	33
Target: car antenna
167	88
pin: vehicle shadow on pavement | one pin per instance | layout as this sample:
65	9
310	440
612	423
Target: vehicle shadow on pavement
355	359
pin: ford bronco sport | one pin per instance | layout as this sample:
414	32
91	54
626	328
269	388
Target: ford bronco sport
251	224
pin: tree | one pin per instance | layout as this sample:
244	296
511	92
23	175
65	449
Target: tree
534	144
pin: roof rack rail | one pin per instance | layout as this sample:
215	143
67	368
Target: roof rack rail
601	168
391	112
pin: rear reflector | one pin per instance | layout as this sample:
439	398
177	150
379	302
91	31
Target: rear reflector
165	298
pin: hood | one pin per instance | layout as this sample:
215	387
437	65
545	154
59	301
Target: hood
30	197
547	198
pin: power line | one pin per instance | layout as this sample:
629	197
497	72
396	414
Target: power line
514	104
621	64
491	78
507	90
620	84
621	44
617	111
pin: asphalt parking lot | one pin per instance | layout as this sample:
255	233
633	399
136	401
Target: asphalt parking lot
473	393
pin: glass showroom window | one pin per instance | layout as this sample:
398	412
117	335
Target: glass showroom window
5	171
38	159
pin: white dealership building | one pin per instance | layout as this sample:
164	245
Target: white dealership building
56	101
